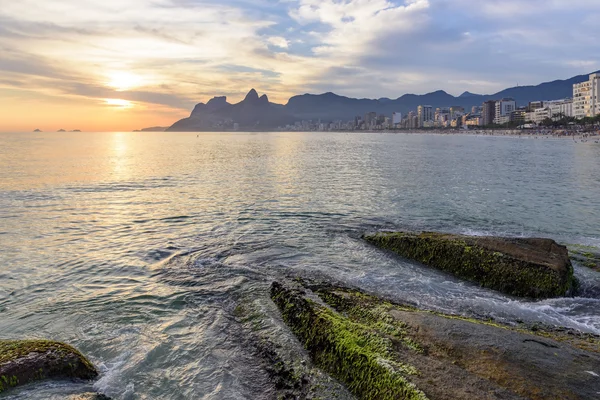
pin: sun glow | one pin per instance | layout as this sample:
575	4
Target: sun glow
119	103
122	81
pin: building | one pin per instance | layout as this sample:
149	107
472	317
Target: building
534	105
489	112
442	117
425	114
560	108
457	112
586	97
504	109
472	119
396	118
370	120
413	120
519	116
540	114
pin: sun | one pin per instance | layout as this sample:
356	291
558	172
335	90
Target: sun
122	81
118	103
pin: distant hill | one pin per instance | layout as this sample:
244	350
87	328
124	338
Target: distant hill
255	112
154	129
252	113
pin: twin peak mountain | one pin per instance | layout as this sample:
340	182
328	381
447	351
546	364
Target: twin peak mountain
253	112
258	113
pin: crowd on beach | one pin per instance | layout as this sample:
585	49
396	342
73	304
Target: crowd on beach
575	132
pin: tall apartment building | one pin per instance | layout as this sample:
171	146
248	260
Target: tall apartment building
504	109
396	118
489	112
425	114
586	97
370	120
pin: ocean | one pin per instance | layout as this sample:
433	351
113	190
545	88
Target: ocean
137	247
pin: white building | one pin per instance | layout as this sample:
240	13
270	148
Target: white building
560	108
397	118
586	97
540	114
504	108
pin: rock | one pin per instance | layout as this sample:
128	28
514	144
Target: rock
281	356
25	361
586	256
382	350
536	268
345	349
89	396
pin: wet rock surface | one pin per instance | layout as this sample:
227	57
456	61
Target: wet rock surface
382	350
89	396
26	361
289	368
525	267
586	256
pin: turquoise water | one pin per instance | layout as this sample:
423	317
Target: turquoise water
136	247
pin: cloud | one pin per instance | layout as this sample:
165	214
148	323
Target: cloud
279	41
353	26
179	52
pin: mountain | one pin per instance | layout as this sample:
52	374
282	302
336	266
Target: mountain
252	113
256	113
154	129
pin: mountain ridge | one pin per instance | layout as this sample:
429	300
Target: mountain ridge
257	112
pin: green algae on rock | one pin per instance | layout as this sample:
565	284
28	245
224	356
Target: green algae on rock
382	350
26	361
586	256
349	351
526	267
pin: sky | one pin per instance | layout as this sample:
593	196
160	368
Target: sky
111	65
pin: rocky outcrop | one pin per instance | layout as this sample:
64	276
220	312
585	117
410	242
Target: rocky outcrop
25	361
536	268
252	113
382	350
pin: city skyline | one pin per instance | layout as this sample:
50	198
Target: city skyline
107	65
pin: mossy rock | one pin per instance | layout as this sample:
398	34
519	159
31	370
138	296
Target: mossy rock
350	351
524	267
383	350
26	361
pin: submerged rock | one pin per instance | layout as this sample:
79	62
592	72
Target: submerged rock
89	396
587	256
291	374
527	267
26	361
382	350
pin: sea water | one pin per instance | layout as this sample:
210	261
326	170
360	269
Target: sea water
137	247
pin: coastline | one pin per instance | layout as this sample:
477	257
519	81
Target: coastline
511	133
